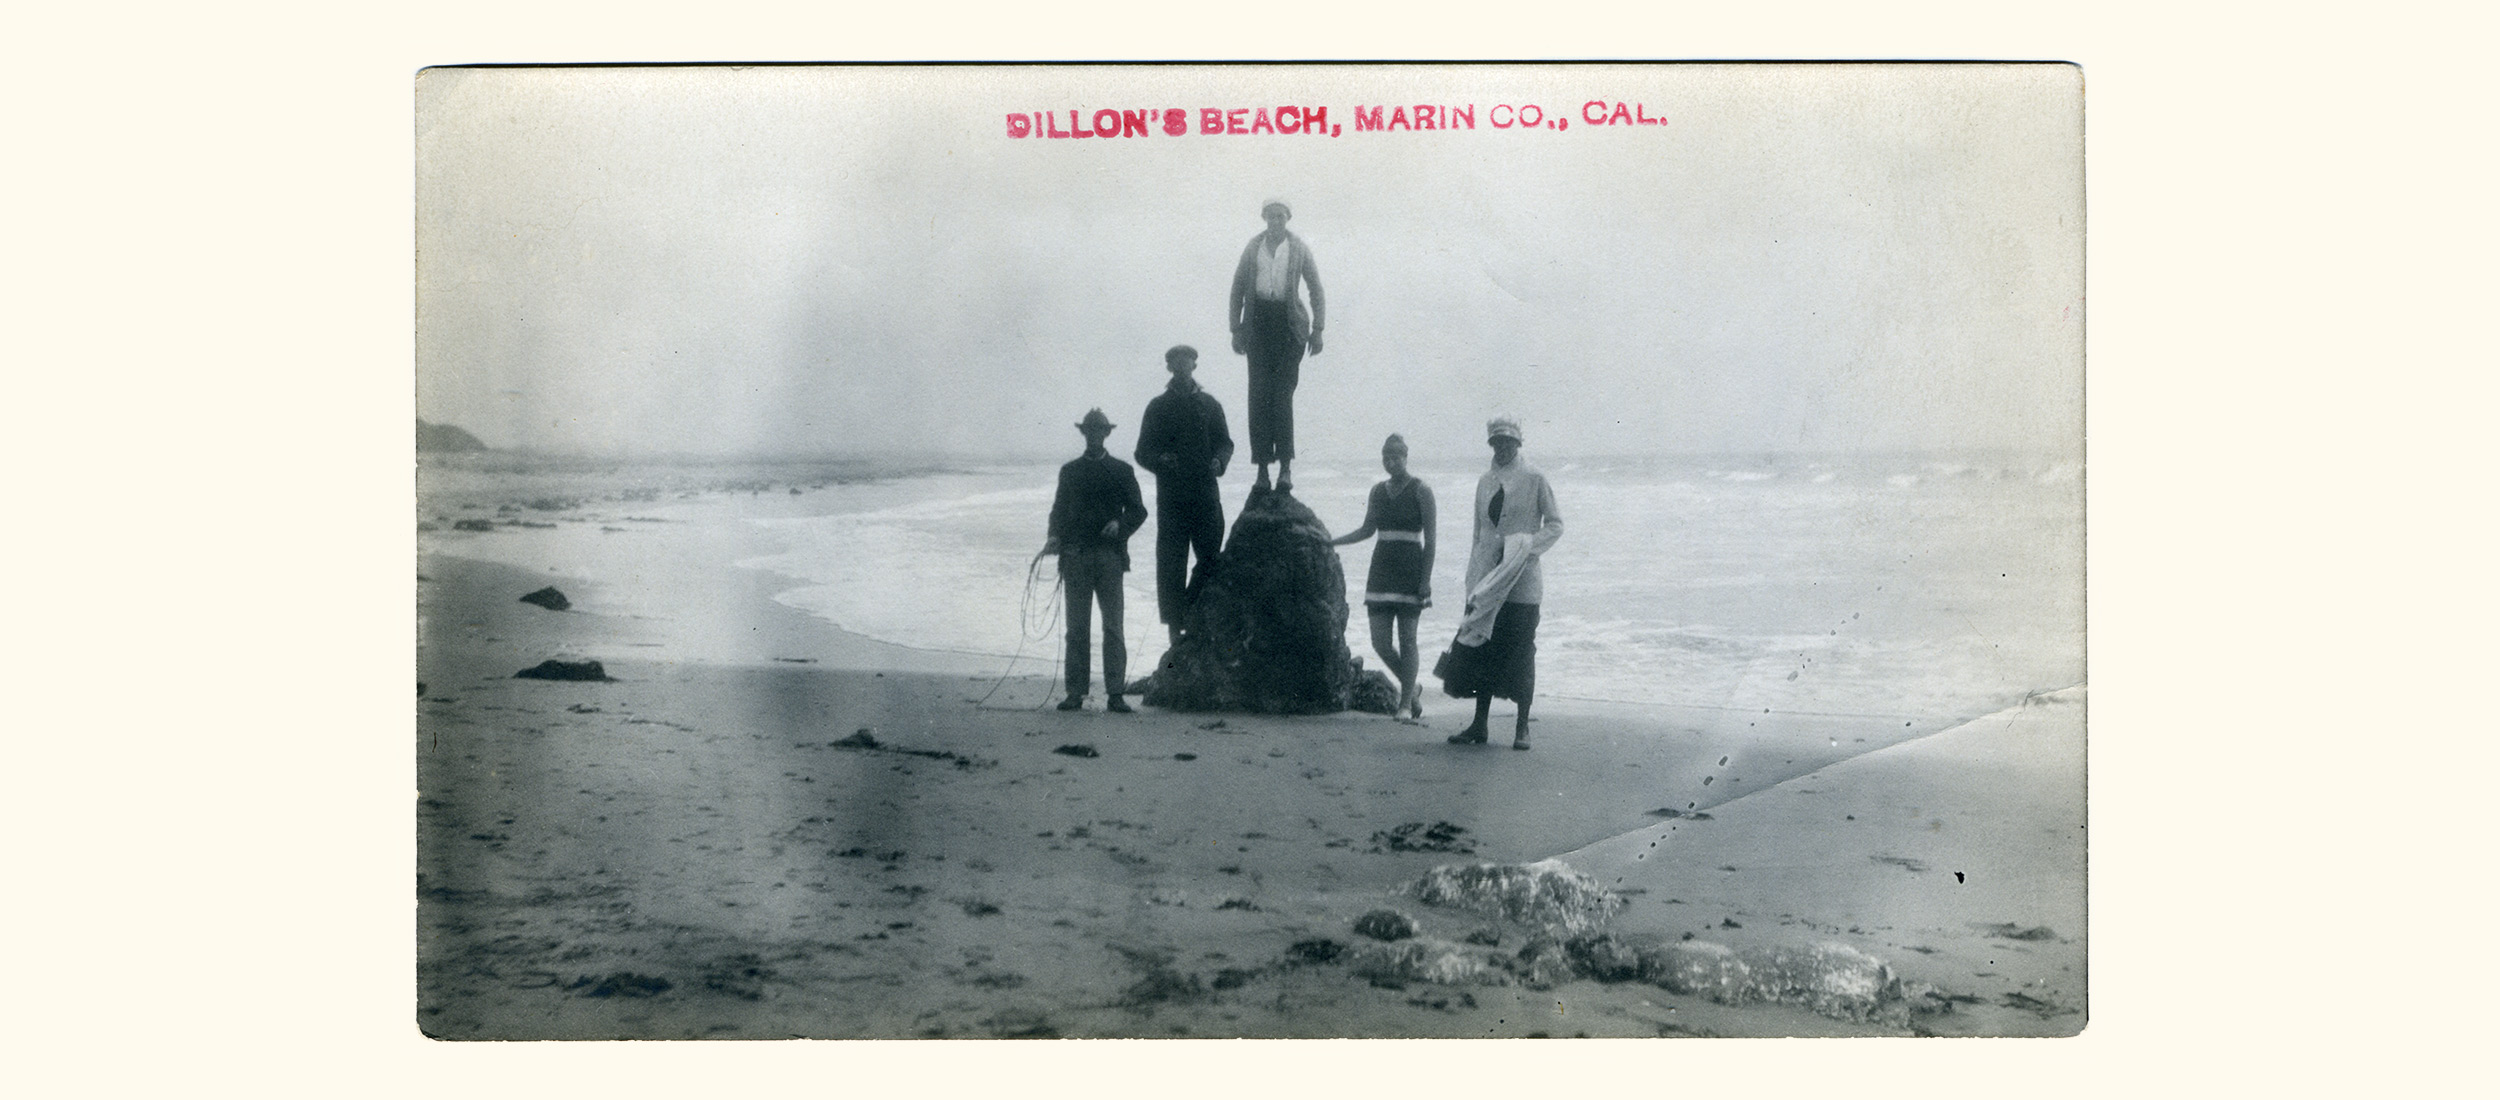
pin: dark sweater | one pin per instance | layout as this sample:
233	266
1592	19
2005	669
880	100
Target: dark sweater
1189	426
1095	489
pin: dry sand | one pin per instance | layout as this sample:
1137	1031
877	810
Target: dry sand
690	851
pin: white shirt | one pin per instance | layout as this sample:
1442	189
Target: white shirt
1275	275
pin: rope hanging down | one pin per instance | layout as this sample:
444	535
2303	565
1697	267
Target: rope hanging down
1026	632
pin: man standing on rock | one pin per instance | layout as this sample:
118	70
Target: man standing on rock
1271	326
1185	444
1097	508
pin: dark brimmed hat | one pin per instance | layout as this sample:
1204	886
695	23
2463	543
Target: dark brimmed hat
1095	421
1180	352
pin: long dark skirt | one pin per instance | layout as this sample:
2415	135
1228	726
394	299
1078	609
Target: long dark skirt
1503	667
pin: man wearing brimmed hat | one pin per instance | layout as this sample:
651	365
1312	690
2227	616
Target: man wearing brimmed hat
1097	508
1271	326
1516	523
1183	441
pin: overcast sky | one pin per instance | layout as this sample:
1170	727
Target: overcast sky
798	261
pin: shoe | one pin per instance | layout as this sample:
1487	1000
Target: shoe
1467	737
1261	484
1284	485
1073	702
1519	745
1118	705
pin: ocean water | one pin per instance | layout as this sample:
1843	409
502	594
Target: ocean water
1897	585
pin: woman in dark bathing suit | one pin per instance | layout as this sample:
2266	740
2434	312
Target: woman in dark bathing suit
1399	587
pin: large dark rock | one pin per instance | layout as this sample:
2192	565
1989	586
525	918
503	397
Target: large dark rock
1266	633
550	598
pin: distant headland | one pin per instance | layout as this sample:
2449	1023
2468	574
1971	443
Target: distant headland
444	437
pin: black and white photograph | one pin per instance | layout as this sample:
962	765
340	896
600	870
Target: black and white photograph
1280	551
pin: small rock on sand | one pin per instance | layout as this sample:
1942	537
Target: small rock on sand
563	670
623	983
549	598
1386	925
1315	951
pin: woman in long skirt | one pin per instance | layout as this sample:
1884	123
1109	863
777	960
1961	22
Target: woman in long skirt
1516	522
1399	586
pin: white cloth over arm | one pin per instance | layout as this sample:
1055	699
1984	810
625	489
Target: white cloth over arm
1491	591
1503	567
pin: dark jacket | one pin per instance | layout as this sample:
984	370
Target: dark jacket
1094	490
1189	426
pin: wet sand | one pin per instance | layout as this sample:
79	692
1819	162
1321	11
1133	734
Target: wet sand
712	849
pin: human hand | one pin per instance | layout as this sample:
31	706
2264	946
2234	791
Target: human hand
1111	530
1217	465
1241	344
1314	341
1049	547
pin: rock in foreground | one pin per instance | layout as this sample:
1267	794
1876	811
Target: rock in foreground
563	670
1266	634
1546	895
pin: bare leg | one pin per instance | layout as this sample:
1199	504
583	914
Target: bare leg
1408	658
1384	643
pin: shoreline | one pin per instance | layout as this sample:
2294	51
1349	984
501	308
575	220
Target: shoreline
939	561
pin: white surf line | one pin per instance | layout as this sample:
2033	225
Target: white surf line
2029	699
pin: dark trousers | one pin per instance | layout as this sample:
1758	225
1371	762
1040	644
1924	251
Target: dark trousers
1275	369
1092	575
1184	522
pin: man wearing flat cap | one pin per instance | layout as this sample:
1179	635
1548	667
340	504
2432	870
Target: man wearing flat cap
1271	326
1097	508
1183	441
